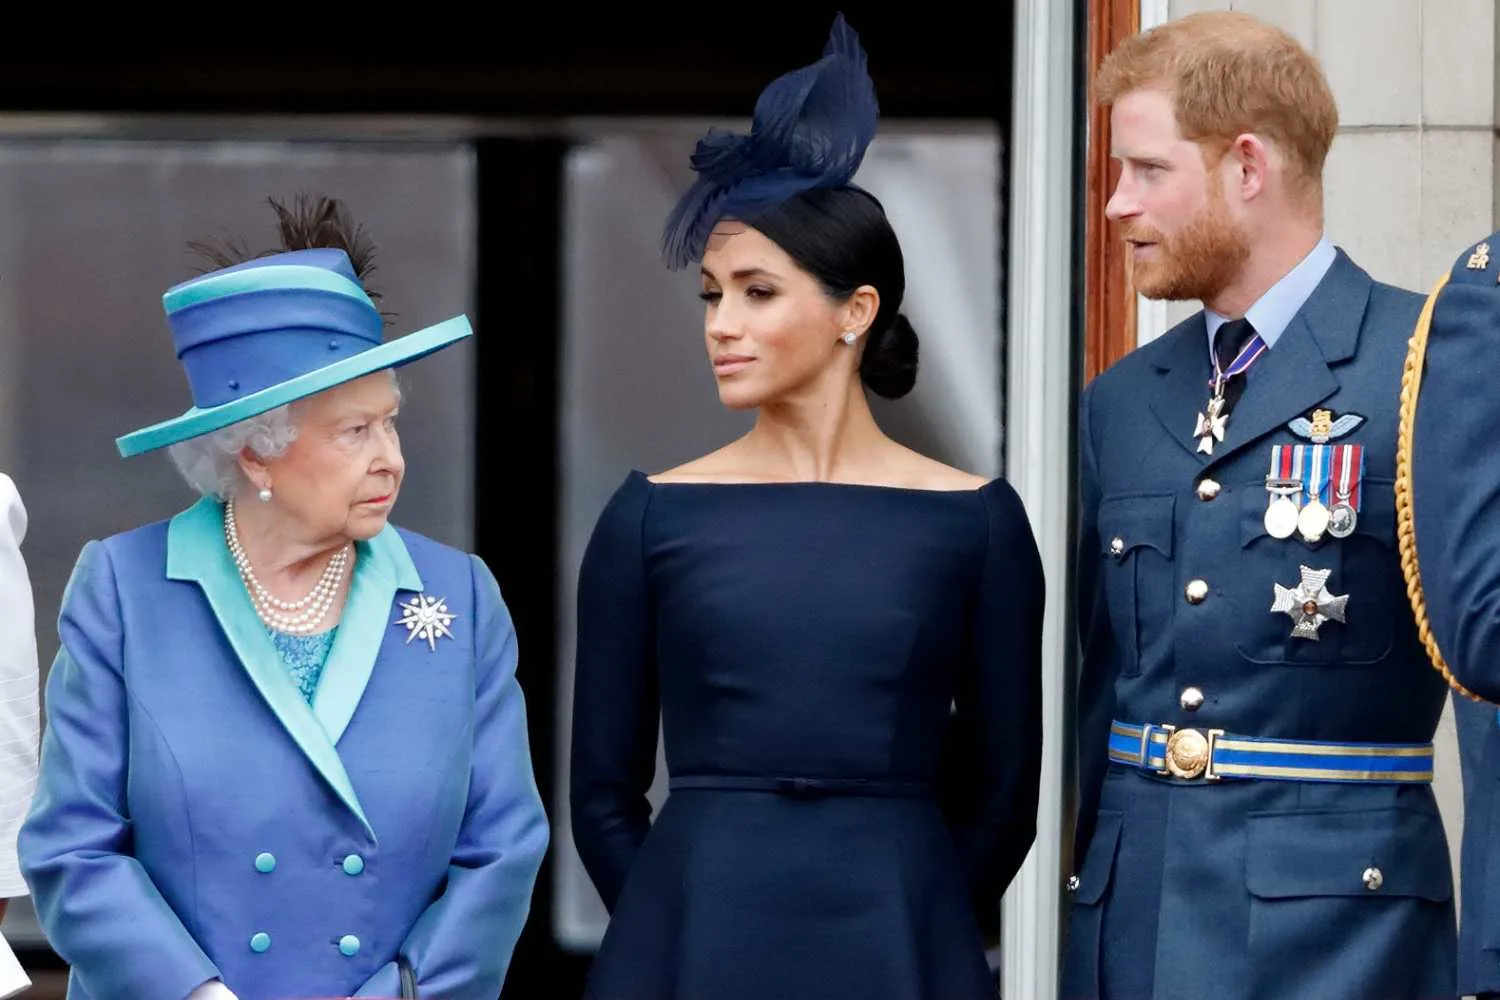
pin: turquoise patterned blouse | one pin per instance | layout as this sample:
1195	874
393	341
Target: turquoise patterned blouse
304	657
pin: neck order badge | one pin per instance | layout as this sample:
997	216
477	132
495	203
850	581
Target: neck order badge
1214	420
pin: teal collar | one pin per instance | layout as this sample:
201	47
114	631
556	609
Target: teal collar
196	551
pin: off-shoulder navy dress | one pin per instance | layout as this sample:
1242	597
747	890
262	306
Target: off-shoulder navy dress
820	656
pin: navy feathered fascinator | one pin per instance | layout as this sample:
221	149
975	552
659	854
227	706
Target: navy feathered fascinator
811	129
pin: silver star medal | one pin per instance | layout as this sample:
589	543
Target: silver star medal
1210	425
1310	604
426	618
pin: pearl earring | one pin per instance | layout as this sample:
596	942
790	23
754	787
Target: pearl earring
265	495
850	337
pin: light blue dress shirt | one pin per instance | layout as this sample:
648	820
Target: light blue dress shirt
1273	311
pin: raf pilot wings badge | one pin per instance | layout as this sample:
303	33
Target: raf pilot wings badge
1321	427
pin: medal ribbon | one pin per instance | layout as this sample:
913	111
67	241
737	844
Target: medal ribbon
1316	478
1282	461
1349	460
1249	354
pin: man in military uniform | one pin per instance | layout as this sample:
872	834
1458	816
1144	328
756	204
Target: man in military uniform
1448	507
1256	819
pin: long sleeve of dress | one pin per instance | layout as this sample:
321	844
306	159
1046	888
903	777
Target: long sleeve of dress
999	700
615	700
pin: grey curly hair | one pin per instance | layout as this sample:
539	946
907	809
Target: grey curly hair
210	463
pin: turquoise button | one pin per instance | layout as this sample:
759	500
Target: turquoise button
260	942
354	864
349	945
265	863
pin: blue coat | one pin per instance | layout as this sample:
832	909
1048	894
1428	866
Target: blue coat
196	818
1455	481
1251	889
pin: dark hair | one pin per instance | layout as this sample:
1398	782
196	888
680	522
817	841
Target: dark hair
842	238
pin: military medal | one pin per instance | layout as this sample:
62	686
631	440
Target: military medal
1348	474
1314	518
1281	512
1309	604
1341	519
1212	422
1283	488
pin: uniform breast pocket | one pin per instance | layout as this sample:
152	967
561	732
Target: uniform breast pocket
1135	538
1362	568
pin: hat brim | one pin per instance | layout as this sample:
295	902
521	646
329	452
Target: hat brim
196	422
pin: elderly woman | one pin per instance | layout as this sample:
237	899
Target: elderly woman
286	754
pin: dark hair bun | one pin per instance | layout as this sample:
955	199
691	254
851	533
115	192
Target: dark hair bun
889	364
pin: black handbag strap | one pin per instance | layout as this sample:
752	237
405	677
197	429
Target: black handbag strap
408	978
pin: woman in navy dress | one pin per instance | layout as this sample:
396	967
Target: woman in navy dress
823	621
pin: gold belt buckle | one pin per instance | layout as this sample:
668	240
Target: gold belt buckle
1190	753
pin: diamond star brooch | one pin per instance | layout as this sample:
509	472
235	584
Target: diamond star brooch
426	618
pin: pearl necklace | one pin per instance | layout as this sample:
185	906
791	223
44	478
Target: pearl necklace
299	617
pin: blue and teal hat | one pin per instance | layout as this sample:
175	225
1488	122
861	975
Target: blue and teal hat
256	335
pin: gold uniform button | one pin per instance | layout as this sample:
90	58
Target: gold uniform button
1196	591
1374	879
1117	546
1208	489
1192	699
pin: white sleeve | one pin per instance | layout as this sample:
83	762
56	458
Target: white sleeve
212	990
19	715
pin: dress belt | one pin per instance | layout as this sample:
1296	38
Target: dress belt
796	787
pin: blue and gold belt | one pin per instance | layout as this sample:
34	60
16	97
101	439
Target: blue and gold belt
1212	754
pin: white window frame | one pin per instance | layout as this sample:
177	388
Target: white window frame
1039	427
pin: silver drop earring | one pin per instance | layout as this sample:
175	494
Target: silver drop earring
265	495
